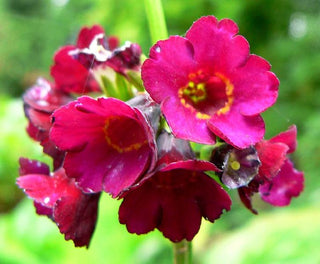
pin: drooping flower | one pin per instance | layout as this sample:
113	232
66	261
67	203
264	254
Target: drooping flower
74	65
109	144
40	101
175	196
209	84
56	196
238	166
263	168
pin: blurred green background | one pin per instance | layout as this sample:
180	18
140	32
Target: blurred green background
285	32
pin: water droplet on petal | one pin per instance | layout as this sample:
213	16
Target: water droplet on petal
46	200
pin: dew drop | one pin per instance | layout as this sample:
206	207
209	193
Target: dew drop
46	200
158	49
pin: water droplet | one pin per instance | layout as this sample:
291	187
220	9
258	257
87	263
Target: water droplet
46	200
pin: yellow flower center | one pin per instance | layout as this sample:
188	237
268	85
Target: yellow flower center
206	95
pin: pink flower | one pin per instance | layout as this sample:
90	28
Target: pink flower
277	181
74	65
109	144
57	196
175	196
209	84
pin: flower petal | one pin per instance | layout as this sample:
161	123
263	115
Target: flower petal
272	157
215	44
168	67
255	87
237	130
283	187
86	35
288	137
76	217
185	123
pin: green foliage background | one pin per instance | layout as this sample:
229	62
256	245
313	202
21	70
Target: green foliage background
284	32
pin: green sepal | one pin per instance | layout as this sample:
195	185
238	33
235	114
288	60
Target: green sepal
124	88
135	78
108	87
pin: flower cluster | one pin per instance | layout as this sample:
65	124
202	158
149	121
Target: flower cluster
112	124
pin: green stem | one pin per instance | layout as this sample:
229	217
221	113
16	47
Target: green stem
182	252
156	20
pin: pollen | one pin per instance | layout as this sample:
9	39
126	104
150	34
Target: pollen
229	93
235	165
195	92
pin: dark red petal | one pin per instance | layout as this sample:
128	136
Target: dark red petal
86	35
70	75
174	202
100	154
283	187
245	194
192	165
76	216
28	166
98	167
181	216
140	210
40	119
288	137
113	42
44	97
272	157
43	210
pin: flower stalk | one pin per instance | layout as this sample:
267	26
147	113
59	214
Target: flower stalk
182	252
156	20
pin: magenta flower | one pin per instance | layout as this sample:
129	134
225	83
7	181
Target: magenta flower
74	66
277	181
57	196
39	103
109	144
209	84
174	197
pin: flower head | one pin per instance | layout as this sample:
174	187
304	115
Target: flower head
174	197
208	84
276	180
109	144
40	101
74	65
57	196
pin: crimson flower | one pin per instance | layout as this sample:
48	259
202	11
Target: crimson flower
57	196
175	196
277	181
74	65
39	103
209	84
109	144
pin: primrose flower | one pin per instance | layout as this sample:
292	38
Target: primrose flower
175	196
209	84
265	169
75	65
39	103
109	144
56	196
